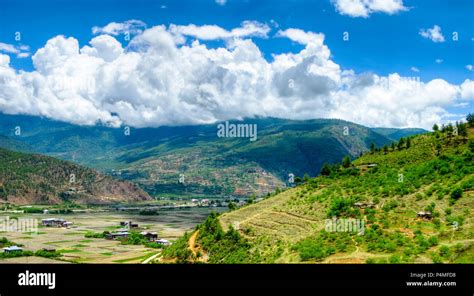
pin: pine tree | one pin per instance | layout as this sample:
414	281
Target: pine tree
326	170
470	119
400	144
346	161
372	147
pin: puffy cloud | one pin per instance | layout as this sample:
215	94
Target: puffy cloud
415	69
469	67
159	79
301	36
131	26
21	51
467	90
434	34
363	8
104	47
221	2
212	32
57	51
4	60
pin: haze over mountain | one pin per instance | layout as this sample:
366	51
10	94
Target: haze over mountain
193	160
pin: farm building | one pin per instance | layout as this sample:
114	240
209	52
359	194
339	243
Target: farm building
424	215
151	236
12	249
117	235
163	242
55	222
129	224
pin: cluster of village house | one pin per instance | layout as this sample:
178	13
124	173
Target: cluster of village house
217	203
12	249
50	222
119	234
55	222
124	233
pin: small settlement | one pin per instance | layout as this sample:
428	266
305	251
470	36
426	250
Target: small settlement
124	233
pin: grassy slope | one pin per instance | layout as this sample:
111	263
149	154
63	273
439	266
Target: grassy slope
289	226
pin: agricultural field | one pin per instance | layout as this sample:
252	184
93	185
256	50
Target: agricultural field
74	247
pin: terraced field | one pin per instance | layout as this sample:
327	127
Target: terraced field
385	189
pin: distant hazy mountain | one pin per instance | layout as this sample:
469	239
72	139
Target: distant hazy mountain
194	160
37	179
395	134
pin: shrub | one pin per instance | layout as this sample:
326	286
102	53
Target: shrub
91	234
444	251
47	254
456	193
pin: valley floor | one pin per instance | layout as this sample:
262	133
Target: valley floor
76	248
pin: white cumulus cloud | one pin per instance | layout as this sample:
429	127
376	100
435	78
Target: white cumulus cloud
363	8
161	79
21	51
434	34
213	32
130	26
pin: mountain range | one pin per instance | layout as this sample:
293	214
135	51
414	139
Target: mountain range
192	160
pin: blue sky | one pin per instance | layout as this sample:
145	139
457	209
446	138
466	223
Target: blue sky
381	43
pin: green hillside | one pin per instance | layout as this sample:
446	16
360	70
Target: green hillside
384	189
36	179
192	160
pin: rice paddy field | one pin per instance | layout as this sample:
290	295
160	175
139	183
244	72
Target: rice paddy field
76	248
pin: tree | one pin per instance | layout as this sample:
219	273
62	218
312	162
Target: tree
326	170
449	130
438	149
400	144
372	147
462	129
232	206
456	193
346	161
306	178
470	119
435	127
251	199
392	146
408	143
385	148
